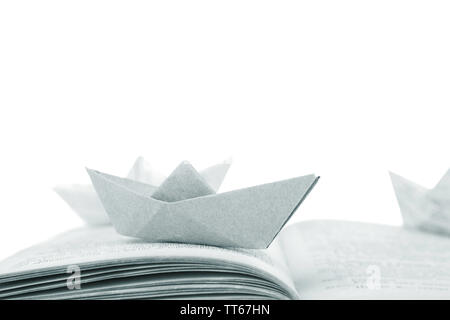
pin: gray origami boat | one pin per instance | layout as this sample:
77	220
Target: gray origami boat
422	208
186	209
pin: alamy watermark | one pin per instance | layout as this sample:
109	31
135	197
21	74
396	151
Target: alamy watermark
74	280
373	280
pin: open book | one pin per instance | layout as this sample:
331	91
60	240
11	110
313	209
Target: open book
312	259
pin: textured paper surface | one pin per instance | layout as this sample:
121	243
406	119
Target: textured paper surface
422	208
246	218
84	200
183	183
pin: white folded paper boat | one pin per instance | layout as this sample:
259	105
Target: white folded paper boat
422	208
186	209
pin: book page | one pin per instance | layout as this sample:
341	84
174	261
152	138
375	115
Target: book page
102	247
338	260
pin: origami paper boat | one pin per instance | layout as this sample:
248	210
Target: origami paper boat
186	209
84	200
422	208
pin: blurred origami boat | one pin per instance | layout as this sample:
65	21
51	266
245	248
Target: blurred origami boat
186	209
84	200
422	208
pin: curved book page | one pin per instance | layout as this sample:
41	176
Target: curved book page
113	266
343	260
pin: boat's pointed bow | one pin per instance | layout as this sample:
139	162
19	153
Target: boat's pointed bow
250	217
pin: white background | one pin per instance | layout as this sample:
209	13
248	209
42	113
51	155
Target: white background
344	89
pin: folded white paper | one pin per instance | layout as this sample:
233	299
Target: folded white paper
422	208
186	209
84	200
